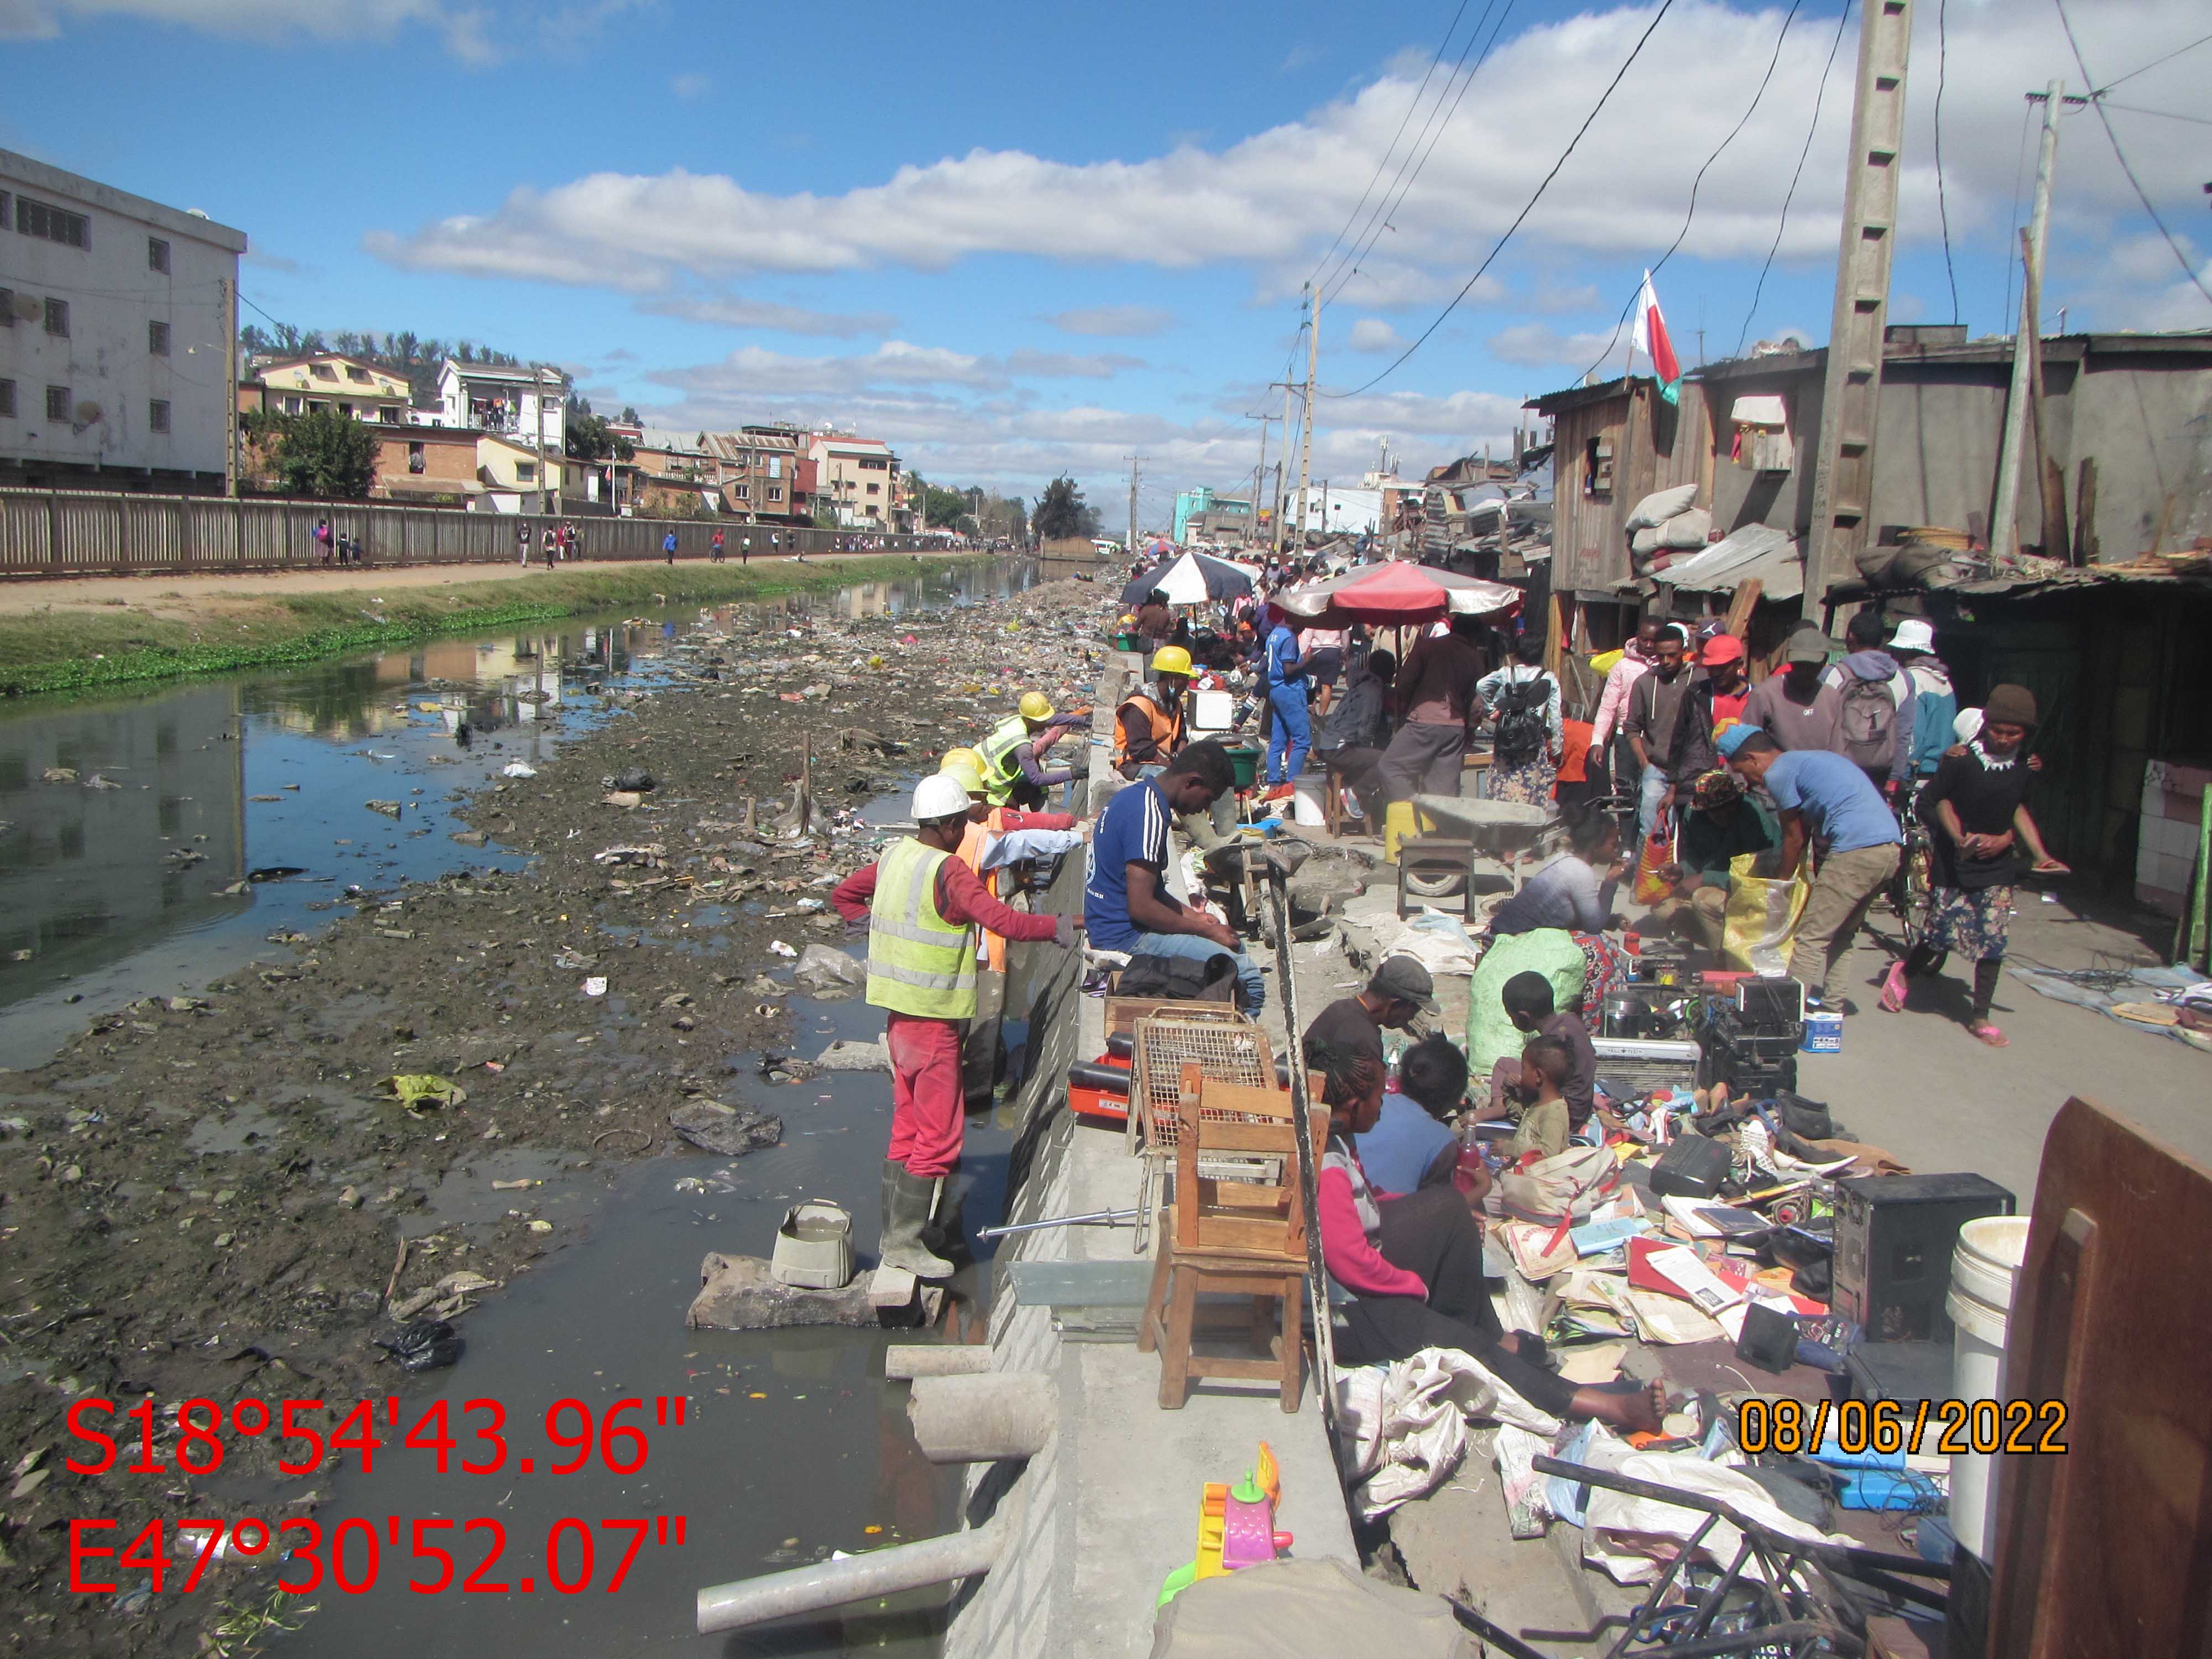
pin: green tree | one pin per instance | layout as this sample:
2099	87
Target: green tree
942	509
327	455
630	416
1061	512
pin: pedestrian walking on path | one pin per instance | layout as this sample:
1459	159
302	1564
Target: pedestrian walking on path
1975	805
522	545
668	546
715	548
1287	697
1437	694
1530	738
921	906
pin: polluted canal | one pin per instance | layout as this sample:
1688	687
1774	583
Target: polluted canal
433	1065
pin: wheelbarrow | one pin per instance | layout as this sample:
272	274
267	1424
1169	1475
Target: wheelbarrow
1502	831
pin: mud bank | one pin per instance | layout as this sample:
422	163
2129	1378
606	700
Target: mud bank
214	1195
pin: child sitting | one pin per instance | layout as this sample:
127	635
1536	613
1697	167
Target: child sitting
1411	1147
1547	1118
1528	1000
1413	1266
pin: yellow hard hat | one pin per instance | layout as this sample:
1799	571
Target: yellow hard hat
1035	705
969	774
1171	659
954	758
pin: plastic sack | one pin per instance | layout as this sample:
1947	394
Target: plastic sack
1628	1536
423	1345
1551	951
1570	1185
419	1091
1662	505
1404	1424
1686	529
1651	883
1761	917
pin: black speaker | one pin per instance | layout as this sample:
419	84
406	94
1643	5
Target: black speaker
1894	1235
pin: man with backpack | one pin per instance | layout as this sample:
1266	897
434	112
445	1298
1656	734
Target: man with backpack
1526	751
1880	707
1913	645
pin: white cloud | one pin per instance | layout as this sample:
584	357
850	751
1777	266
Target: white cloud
1622	194
1114	322
466	28
1539	345
1373	334
897	370
733	312
691	85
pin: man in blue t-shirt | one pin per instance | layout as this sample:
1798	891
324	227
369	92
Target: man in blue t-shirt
1125	903
1827	799
1286	695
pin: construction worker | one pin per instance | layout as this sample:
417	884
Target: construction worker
1148	727
1013	753
922	906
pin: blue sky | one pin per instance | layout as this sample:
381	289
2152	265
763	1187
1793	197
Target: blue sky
1018	239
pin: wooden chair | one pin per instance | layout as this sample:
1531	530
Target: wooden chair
1232	1234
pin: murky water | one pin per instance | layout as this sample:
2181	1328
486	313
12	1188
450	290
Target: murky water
792	1445
168	879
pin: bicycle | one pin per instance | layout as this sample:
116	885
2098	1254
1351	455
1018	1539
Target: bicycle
1911	890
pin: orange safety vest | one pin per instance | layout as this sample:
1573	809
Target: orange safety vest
1166	729
973	841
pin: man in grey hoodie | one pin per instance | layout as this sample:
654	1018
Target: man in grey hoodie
1879	706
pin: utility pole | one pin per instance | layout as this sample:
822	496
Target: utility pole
1850	401
2004	511
1132	505
229	291
1305	434
1275	542
1259	473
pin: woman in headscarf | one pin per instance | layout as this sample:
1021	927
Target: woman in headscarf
1975	807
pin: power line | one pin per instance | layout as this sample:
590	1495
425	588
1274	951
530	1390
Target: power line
1379	221
2146	67
1683	235
1443	46
1781	224
1665	6
2142	195
1943	197
2137	109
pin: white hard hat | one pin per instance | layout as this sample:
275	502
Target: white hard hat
940	795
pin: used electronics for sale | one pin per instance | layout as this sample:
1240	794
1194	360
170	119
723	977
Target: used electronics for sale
1754	1054
1633	1068
1646	1012
1774	1001
1894	1235
1695	1166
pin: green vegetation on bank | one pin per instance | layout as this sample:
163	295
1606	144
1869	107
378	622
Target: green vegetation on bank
74	650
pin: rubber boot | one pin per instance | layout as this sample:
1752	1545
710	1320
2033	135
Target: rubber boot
946	1232
908	1203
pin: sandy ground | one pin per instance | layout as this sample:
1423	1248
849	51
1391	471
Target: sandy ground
167	593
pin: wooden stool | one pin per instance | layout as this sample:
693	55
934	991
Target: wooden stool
1241	1238
1432	855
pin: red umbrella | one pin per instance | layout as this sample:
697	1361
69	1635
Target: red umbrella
1398	593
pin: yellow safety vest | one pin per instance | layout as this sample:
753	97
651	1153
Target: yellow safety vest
918	963
996	752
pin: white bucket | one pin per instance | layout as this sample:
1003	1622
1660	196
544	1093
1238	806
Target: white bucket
1306	801
1984	1269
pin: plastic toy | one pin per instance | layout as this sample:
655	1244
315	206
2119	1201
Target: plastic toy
1235	1527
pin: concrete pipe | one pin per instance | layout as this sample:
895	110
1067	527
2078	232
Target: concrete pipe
907	1360
858	1578
980	1420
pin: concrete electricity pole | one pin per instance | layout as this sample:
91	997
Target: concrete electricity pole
1850	401
1259	472
1134	459
1305	433
1281	501
229	291
2004	511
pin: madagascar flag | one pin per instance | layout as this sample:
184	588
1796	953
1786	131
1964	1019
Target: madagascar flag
1651	340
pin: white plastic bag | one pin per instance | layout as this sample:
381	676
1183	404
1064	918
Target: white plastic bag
1627	1537
1404	1425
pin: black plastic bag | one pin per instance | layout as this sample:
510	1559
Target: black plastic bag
423	1345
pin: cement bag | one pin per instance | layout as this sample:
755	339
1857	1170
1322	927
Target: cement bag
1405	1423
1762	914
1686	530
1644	543
1305	1609
1551	951
1662	505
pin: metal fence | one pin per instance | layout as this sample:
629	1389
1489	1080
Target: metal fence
70	532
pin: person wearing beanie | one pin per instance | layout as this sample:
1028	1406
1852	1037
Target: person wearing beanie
1982	836
921	907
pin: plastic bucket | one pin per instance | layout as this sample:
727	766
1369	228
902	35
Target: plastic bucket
1824	1033
1245	762
1402	818
1984	1271
1305	803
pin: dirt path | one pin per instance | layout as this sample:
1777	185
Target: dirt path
167	594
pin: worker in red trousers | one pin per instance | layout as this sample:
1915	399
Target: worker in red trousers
922	906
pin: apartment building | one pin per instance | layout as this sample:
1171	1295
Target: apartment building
325	380
859	477
116	316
